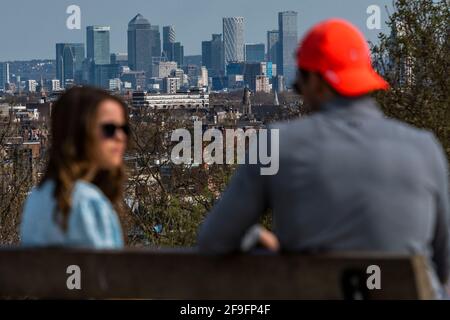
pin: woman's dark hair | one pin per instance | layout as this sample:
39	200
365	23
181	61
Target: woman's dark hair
73	119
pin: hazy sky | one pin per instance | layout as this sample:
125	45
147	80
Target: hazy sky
29	29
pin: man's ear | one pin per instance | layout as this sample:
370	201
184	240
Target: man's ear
316	83
320	86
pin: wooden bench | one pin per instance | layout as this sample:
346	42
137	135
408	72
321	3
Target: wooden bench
185	274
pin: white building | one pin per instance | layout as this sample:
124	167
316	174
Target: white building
163	69
171	84
115	84
233	39
31	85
262	84
203	78
56	85
192	100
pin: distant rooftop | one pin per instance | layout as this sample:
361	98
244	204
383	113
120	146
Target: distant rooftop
138	20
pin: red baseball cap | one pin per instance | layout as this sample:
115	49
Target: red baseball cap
338	51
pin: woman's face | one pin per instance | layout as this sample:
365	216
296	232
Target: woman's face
111	135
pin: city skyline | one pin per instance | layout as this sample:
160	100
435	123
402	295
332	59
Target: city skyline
190	30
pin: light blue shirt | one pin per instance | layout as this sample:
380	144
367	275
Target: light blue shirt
93	222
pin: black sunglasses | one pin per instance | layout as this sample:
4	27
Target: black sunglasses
109	130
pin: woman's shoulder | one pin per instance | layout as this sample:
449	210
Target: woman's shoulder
93	218
38	192
86	191
81	191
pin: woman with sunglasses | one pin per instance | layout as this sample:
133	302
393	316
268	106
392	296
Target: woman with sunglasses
78	200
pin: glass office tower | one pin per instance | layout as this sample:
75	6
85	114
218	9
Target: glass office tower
97	41
287	26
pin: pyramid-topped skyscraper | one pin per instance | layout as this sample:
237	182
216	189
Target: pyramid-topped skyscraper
139	44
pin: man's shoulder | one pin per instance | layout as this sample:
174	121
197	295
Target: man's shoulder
309	125
406	131
299	127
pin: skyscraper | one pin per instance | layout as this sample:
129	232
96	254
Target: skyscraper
140	44
233	39
155	41
217	59
69	61
4	74
212	55
168	41
103	73
178	54
287	26
97	41
255	52
254	69
119	58
272	45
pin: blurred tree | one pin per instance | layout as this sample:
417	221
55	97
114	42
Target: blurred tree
415	59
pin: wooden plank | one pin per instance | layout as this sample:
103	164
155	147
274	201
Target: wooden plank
144	274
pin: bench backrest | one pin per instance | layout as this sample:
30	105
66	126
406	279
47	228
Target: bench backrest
144	274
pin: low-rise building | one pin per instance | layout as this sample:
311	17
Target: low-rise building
190	100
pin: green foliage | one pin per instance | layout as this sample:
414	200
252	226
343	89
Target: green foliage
415	59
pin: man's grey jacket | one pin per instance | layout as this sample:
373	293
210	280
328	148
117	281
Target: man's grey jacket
349	179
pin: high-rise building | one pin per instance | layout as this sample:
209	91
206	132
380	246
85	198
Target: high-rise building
203	77
115	84
97	42
171	85
255	52
155	41
163	69
55	85
233	39
278	83
178	54
206	54
4	75
217	59
140	44
168	41
193	59
287	26
88	72
191	70
212	55
272	45
262	84
178	73
134	80
119	58
234	68
31	85
69	62
252	70
103	73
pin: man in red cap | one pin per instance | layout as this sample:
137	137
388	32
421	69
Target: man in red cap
349	179
334	60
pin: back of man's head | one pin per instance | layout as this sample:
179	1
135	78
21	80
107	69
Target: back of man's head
334	59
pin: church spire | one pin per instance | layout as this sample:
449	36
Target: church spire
275	99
